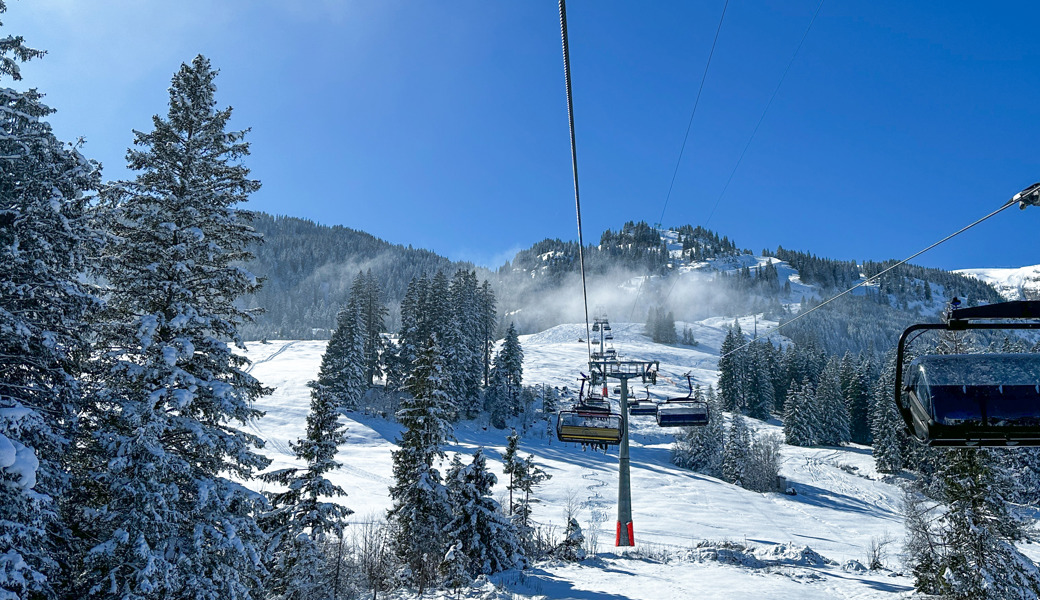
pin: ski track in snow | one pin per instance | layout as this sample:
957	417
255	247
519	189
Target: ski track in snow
841	501
270	357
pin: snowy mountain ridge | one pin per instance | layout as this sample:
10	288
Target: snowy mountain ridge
1021	283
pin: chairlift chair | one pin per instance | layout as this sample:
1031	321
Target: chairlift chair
642	407
990	399
590	422
684	411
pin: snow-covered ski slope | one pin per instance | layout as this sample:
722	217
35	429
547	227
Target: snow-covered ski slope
840	506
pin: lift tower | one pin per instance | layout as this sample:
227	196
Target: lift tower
623	370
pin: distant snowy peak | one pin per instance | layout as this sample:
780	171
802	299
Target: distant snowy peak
1022	283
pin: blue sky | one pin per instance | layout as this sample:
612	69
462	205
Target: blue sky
443	124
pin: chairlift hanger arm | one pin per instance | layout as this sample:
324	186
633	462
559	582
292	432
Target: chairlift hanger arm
1028	197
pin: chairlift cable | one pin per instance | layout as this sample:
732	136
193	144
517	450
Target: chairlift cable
704	76
686	137
753	133
1007	205
766	110
574	168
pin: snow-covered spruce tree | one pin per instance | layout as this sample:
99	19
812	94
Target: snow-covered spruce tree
465	308
764	467
855	388
487	320
701	448
421	508
166	519
43	310
572	548
512	464
731	384
374	314
510	360
527	476
830	409
497	399
341	377
758	382
415	327
300	523
968	551
886	424
800	422
482	533
737	453
453	568
454	353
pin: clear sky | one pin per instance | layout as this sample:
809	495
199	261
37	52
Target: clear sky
443	124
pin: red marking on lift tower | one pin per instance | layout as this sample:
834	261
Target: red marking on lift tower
631	534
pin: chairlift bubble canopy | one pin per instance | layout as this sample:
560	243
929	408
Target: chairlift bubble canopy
987	399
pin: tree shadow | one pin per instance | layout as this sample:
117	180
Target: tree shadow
543	583
822	498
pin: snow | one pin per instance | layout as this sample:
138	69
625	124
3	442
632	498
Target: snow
20	461
7	452
794	545
1021	283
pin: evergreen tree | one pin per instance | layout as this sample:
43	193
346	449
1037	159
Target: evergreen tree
487	320
373	317
526	477
660	326
855	389
341	377
687	337
972	554
510	359
886	424
482	533
299	522
512	464
436	310
759	382
497	400
415	327
731	385
466	310
453	568
421	506
165	517
737	454
44	306
829	407
800	425
503	397
572	548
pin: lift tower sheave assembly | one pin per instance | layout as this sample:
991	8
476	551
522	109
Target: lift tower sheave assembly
623	370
